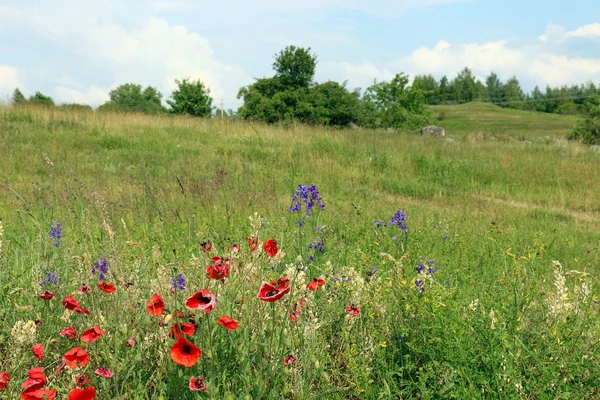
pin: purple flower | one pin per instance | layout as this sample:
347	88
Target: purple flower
50	278
178	283
373	271
101	267
445	237
431	270
420	268
379	224
419	285
56	233
430	261
300	224
399	219
334	279
318	246
309	195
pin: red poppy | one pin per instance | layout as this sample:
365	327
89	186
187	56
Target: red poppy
228	323
270	247
47	295
206	246
81	310
4	379
291	359
353	310
130	342
107	287
92	334
275	290
82	380
103	372
38	351
76	357
179	329
38	394
197	384
202	300
234	248
295	314
219	269
83	289
36	379
315	283
252	244
85	394
70	303
185	353
60	368
69	332
302	303
156	305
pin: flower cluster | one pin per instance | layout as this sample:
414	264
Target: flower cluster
101	267
399	219
309	195
178	283
56	233
51	278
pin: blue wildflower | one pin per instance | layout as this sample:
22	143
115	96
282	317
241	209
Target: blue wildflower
419	285
430	261
309	195
420	268
373	271
101	267
56	233
431	270
50	278
399	219
178	283
300	224
318	246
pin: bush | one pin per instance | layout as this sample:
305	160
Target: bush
588	130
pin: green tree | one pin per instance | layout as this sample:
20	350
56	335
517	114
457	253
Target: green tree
495	88
334	104
295	67
465	88
429	86
18	98
588	129
513	94
130	97
445	90
191	97
41	99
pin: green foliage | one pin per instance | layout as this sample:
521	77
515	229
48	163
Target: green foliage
18	98
76	107
465	87
429	86
295	67
192	98
130	97
588	129
41	100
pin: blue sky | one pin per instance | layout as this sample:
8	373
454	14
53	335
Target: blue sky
77	51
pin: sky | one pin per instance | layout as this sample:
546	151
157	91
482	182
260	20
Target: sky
77	51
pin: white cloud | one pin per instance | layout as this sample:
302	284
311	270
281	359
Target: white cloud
92	95
585	31
9	79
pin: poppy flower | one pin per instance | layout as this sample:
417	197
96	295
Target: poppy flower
4	379
107	287
70	303
60	368
302	303
36	379
203	300
252	244
185	353
76	357
219	269
156	306
295	314
228	323
270	248
275	290
38	351
82	380
83	289
315	283
103	372
353	310
177	330
197	384
130	342
47	295
234	248
38	394
291	359
85	394
69	332
92	334
206	246
81	310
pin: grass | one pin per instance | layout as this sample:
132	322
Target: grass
497	319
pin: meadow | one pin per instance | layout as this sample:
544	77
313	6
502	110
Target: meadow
462	267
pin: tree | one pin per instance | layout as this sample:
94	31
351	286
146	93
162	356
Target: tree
465	89
513	94
295	67
588	129
495	88
191	97
130	97
429	86
445	90
18	98
334	104
41	99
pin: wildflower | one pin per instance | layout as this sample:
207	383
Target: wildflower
219	269
38	351
202	300
51	278
300	223
234	248
290	359
107	287
83	289
302	303
38	394
36	380
206	246
101	267
295	314
185	353
419	285
270	248
155	306
353	310
92	334
275	290
69	332
4	379
23	333
373	271
197	384
82	380
103	372
178	283
318	246
252	244
130	342
85	394
431	270
76	357
420	268
307	195
315	283
80	310
47	295
56	233
179	329
379	224
70	303
228	323
399	219
430	261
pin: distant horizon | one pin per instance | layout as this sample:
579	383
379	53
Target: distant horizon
77	52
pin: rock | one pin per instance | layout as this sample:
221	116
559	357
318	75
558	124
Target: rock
433	131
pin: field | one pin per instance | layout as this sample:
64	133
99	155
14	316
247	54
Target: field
487	289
